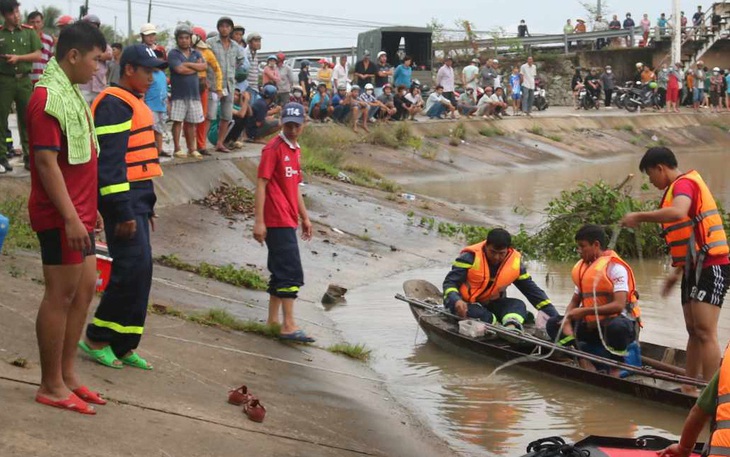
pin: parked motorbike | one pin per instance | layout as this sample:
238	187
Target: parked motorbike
641	96
620	94
540	101
586	100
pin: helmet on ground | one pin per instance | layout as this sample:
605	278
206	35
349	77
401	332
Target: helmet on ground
272	57
183	29
369	86
65	20
200	31
415	83
269	91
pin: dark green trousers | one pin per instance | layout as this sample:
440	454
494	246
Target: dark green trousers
16	90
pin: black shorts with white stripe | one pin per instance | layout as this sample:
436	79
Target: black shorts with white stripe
711	288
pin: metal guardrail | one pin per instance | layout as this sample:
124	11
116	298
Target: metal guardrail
535	40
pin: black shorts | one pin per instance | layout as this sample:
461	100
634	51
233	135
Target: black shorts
711	288
56	251
284	262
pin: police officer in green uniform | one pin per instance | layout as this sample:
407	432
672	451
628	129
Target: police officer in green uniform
19	48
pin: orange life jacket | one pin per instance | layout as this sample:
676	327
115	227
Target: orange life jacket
596	289
143	162
478	287
720	438
678	235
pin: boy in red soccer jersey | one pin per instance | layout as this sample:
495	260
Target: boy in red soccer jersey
278	207
63	211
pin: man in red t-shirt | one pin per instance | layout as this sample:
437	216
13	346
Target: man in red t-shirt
63	212
704	268
278	207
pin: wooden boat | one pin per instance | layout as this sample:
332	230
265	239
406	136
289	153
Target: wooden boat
647	382
603	446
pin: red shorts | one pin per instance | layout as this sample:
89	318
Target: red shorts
56	251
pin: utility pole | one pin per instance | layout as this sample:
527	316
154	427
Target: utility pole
598	9
149	12
677	34
129	21
115	27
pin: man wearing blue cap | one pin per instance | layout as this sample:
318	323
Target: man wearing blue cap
279	207
127	164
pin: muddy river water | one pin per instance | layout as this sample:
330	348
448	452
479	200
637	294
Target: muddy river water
482	415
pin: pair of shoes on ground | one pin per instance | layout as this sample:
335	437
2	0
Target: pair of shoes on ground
78	401
252	407
184	155
105	356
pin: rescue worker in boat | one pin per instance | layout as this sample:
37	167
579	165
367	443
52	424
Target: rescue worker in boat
693	230
604	283
475	287
713	403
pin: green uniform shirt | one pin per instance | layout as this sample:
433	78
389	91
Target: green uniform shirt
19	41
707	400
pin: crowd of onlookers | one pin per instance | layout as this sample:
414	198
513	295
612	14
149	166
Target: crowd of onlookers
674	86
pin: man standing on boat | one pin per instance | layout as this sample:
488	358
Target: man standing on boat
693	230
475	287
605	295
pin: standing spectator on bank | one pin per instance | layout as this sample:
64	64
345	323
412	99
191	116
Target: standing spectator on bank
661	23
576	84
522	31
271	74
674	79
580	25
403	73
515	84
470	75
210	82
148	35
600	26
251	54
467	105
629	22
615	24
383	71
114	70
185	63
698	96
324	75
645	29
698	22
662	80
237	35
279	207
388	103
35	20
341	72
229	56
727	90
305	81
98	83
445	79
608	83
365	70
528	72
63	208
438	105
683	23
19	48
568	28
716	83
286	82
156	100
320	108
708	75
487	74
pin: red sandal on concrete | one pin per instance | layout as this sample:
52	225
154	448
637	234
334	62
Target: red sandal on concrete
240	396
89	396
72	403
254	410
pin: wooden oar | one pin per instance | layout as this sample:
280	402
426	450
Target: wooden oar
651	373
663	366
